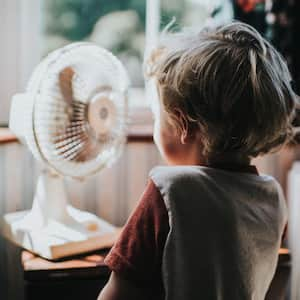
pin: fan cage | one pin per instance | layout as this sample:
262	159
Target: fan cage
51	125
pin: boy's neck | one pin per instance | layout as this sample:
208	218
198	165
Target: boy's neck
229	159
233	163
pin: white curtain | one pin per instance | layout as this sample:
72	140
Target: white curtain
19	47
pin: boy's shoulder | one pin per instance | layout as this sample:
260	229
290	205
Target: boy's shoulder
174	171
211	185
171	175
198	178
188	173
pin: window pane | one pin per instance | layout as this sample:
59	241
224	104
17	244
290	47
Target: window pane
195	13
117	25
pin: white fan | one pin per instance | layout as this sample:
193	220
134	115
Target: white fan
73	118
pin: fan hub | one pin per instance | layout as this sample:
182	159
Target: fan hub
102	114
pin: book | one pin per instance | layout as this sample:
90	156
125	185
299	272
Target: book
56	240
87	266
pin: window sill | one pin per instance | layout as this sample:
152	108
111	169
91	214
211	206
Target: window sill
137	134
140	120
6	136
139	130
140	127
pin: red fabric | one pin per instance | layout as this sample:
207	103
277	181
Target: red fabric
248	5
137	255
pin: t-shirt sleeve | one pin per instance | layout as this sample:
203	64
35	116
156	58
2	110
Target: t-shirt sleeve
137	255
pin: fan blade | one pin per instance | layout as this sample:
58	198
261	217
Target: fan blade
65	84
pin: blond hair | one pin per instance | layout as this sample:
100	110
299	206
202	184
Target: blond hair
229	83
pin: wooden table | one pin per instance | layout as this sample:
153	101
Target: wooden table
280	285
80	277
83	277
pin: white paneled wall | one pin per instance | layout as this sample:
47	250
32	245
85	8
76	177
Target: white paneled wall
111	194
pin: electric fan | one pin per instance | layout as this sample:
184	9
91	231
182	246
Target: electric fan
73	118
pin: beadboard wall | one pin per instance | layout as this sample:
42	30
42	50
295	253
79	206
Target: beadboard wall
111	194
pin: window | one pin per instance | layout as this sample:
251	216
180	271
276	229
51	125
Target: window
195	13
117	25
31	29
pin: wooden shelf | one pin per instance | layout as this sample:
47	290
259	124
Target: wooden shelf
6	136
140	127
137	133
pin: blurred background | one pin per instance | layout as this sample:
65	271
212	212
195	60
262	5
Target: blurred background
30	29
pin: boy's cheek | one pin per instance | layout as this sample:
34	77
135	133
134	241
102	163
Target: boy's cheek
167	144
157	135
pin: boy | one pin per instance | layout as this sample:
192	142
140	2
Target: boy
209	226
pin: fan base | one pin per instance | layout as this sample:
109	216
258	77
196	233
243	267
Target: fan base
56	240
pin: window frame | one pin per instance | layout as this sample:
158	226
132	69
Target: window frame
25	36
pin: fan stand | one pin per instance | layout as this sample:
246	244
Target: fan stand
53	228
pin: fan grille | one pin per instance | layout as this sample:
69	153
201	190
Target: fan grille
80	109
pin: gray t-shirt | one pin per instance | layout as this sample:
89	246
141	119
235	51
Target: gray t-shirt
225	232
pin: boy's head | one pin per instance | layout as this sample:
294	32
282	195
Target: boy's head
227	86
